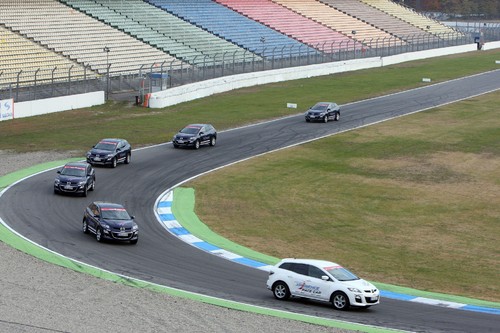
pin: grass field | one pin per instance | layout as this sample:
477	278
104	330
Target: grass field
413	201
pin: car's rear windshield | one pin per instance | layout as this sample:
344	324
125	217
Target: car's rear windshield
115	214
73	171
319	107
106	145
190	130
341	274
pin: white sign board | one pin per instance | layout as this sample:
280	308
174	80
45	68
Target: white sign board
291	105
6	109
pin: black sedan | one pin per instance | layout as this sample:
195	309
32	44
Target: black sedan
110	152
75	178
110	221
323	111
195	135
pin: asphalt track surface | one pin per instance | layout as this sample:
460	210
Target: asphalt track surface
54	221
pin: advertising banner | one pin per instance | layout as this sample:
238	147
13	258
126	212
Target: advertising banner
6	109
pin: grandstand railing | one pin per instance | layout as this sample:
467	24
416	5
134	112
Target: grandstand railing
29	85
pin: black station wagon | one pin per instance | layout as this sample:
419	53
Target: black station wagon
195	135
75	178
110	152
111	221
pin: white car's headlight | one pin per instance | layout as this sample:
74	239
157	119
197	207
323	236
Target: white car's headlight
354	290
135	227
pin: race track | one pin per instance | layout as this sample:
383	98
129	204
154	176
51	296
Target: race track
54	221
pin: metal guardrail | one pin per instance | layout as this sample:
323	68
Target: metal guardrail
31	86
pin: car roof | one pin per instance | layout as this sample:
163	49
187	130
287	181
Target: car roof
112	140
315	262
77	164
197	125
104	204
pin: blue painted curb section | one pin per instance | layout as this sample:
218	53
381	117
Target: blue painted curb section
167	219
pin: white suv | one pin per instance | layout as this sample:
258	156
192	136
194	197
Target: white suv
321	280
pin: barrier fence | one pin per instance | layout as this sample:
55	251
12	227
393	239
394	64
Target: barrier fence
44	83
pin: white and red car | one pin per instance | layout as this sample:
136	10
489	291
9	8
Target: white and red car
323	281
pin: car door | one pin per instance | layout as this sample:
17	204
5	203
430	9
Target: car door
120	152
93	216
320	283
204	135
299	277
309	282
89	175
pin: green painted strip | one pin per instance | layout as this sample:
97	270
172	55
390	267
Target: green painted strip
17	242
183	210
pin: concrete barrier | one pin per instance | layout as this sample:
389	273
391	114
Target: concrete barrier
58	104
206	88
491	46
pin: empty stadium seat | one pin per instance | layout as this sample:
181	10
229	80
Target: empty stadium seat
240	30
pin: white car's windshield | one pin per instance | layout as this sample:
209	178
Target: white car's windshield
341	274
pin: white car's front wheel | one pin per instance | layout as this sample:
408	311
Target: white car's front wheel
281	291
340	301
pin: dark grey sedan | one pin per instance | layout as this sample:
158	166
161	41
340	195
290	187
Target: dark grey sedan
110	221
195	135
75	178
323	111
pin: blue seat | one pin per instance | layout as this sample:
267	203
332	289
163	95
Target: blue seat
232	26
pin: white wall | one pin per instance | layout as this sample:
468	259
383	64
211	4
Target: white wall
419	55
491	46
206	88
58	104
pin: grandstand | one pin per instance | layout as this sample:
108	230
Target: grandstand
412	17
35	61
230	25
78	36
290	23
335	19
160	29
377	18
46	41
